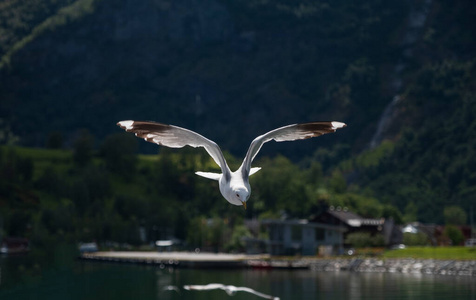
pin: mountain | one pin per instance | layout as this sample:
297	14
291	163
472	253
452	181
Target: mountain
227	70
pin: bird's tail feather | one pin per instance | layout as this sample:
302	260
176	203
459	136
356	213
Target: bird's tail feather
214	176
254	170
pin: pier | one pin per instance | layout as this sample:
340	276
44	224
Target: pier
176	259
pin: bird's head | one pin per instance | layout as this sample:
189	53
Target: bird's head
241	195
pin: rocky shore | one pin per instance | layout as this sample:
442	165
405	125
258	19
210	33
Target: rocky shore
412	266
217	260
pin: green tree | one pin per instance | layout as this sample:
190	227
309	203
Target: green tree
25	169
390	211
337	182
196	235
83	148
454	234
17	222
236	242
119	154
411	212
51	182
279	186
216	233
364	239
454	215
365	206
416	239
55	140
314	173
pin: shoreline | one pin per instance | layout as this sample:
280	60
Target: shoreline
222	260
398	265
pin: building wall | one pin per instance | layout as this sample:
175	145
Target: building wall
308	241
303	239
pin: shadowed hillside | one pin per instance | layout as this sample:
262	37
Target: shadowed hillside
228	70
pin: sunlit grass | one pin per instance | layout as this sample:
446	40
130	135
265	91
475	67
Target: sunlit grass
148	157
433	253
59	159
38	154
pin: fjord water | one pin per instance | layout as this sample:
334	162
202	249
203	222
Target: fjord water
62	278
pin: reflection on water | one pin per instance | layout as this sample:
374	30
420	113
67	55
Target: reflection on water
231	290
23	279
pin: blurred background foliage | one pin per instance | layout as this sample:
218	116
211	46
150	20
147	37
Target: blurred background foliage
401	74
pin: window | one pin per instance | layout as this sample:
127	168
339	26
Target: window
320	234
296	233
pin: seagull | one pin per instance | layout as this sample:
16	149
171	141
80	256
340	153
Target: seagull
234	186
229	289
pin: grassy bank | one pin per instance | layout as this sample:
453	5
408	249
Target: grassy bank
433	253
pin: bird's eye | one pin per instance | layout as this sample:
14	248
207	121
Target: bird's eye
238	195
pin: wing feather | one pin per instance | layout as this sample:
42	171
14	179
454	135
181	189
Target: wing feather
288	133
211	286
175	137
251	291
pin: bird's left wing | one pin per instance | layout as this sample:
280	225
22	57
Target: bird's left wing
288	133
174	137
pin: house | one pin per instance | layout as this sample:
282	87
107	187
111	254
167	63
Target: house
435	233
432	231
354	223
11	245
323	234
301	237
88	247
171	244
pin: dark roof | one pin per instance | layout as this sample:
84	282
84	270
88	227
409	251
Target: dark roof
302	222
353	219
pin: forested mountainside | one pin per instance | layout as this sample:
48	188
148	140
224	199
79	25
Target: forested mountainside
401	74
229	70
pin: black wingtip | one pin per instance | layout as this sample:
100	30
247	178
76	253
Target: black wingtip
322	127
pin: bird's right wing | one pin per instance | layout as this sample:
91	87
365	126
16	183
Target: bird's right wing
288	133
249	290
174	137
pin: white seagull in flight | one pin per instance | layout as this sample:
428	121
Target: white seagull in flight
229	289
234	186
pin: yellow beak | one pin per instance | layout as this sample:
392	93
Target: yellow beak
244	204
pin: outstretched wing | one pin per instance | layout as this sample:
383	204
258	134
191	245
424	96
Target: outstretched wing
174	137
229	289
211	286
249	290
288	133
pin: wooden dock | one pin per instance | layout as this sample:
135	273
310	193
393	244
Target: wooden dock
176	259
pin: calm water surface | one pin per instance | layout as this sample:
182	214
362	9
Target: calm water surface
62	278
